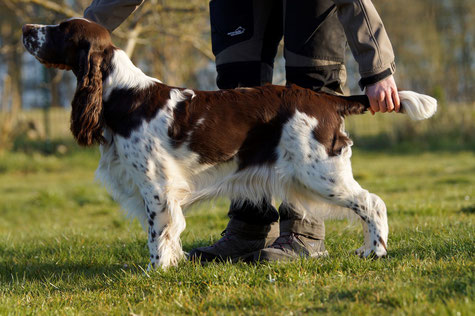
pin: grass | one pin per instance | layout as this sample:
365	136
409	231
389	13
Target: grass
64	248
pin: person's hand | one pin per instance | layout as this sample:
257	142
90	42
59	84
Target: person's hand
383	96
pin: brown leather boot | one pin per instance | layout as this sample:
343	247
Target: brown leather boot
239	239
297	239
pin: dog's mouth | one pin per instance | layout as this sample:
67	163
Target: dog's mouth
51	65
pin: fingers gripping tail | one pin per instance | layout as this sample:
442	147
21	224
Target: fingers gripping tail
418	106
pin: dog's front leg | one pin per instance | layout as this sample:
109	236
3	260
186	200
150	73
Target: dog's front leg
165	224
367	240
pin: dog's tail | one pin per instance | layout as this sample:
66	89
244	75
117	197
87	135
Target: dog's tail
417	106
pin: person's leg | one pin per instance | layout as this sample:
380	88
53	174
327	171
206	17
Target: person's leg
245	36
297	238
314	53
315	45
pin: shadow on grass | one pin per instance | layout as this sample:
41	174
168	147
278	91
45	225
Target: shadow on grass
47	262
468	210
440	250
41	271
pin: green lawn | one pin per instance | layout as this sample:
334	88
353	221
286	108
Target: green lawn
65	249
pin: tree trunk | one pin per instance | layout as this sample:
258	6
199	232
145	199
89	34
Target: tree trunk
14	71
55	77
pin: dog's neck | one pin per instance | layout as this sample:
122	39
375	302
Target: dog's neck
124	75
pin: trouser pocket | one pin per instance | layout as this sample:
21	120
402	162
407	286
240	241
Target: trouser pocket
231	21
312	30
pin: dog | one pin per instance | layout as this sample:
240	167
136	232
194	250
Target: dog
164	148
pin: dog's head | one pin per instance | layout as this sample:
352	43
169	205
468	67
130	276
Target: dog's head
83	47
65	45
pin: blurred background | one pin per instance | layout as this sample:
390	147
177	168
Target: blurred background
433	41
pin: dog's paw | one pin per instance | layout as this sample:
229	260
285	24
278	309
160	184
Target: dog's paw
167	260
157	266
374	253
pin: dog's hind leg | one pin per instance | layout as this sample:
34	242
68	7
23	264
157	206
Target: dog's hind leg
333	180
372	210
165	224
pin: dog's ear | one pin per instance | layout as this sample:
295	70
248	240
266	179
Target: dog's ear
87	112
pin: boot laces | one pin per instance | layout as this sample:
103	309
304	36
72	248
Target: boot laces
282	241
225	237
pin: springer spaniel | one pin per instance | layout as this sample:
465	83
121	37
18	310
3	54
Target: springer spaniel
164	148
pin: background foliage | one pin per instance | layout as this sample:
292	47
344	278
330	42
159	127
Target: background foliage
433	41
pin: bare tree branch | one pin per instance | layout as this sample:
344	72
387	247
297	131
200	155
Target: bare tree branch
169	9
198	43
55	7
132	40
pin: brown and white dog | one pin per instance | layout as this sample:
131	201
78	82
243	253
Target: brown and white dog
164	148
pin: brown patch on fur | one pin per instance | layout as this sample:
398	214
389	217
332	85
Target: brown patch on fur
49	65
86	115
246	123
326	109
232	123
125	109
383	243
183	122
249	122
243	122
355	104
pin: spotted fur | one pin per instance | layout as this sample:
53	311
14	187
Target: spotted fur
165	148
